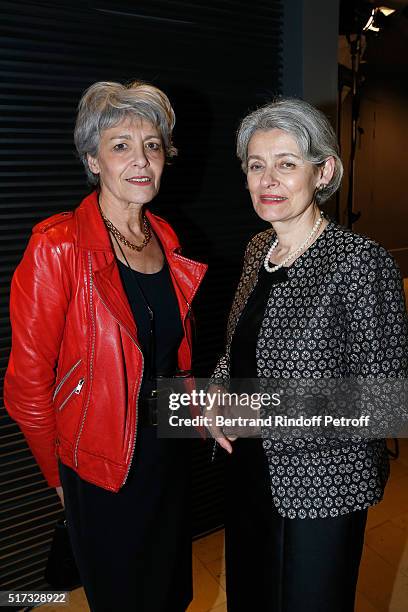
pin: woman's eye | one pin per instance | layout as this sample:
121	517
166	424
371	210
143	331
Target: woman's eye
254	167
153	146
121	146
288	165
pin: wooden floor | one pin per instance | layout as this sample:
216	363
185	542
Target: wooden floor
383	581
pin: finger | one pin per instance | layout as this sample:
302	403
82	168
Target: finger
219	436
225	444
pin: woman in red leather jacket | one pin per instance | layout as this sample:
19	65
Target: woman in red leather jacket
100	306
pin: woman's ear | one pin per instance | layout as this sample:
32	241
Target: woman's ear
326	172
93	164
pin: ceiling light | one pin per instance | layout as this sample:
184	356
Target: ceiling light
377	18
386	10
370	23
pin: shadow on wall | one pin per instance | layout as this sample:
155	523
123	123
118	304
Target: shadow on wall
184	180
204	198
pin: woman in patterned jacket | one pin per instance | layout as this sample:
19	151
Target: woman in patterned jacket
315	301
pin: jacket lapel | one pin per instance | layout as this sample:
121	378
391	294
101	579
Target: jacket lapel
110	289
248	281
186	273
93	237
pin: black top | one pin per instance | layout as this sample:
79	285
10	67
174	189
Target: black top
243	345
159	339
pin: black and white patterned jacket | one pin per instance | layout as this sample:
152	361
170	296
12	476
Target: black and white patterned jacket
340	314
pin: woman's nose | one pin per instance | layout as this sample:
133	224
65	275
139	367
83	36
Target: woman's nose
140	158
269	178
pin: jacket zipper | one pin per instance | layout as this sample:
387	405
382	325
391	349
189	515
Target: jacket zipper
138	391
190	343
91	362
61	382
188	313
77	390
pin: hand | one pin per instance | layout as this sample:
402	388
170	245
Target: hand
60	494
215	431
243	418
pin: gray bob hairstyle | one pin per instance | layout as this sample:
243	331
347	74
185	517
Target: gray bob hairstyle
308	126
105	104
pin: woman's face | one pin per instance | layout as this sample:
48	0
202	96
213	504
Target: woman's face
280	182
129	162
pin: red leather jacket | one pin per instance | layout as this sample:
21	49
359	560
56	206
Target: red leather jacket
75	368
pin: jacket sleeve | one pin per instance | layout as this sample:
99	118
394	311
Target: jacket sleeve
221	374
377	328
377	340
38	305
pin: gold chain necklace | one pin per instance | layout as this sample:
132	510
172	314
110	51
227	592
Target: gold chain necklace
147	232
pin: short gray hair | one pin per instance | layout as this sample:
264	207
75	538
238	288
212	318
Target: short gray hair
310	128
105	104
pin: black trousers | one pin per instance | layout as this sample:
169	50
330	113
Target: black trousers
276	564
133	548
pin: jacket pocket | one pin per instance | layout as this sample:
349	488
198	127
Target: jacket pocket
65	378
75	391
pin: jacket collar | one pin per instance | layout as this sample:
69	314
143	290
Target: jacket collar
93	235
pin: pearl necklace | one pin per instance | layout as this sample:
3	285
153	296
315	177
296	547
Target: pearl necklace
293	254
